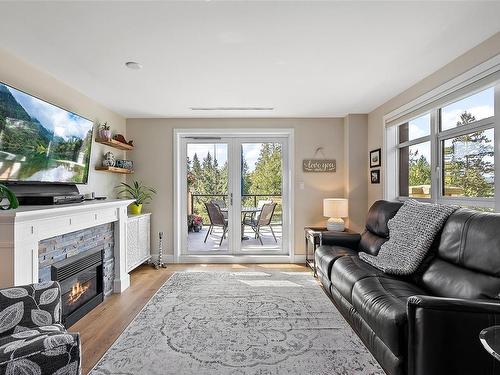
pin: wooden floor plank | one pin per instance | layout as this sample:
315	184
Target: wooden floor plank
102	326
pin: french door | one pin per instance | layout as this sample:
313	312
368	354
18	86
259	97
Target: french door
234	195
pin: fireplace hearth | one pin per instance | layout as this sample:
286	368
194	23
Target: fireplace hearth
81	279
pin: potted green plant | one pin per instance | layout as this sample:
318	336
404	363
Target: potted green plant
137	191
6	193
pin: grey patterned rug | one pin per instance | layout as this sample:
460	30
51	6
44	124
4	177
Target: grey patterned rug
238	323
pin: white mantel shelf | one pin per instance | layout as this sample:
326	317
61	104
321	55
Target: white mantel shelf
22	229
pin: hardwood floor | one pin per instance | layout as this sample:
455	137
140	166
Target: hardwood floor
102	326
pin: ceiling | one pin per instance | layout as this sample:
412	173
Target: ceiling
305	59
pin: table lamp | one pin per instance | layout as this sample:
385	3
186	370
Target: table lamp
335	209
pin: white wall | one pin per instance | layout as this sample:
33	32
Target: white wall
474	57
26	77
153	158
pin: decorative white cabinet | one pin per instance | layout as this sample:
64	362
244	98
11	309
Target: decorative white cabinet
138	240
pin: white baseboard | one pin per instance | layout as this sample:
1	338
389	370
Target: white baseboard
227	259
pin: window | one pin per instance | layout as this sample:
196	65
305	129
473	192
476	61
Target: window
472	108
469	165
447	154
415	158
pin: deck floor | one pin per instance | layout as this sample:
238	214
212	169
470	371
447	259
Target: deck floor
196	240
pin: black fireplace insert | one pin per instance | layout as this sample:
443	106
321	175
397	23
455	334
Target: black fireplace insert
81	279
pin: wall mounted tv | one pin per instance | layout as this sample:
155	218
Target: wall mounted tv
40	142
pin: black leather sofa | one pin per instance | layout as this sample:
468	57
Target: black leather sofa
426	324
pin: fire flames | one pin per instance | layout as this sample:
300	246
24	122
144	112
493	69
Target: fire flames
77	291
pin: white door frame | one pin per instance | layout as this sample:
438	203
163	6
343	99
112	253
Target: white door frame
179	134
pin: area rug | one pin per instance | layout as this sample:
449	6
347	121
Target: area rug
238	323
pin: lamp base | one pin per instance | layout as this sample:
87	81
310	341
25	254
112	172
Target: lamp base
335	223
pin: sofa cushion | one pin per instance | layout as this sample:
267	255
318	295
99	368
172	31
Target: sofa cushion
467	261
326	255
52	340
346	271
470	239
371	243
378	216
444	279
377	231
381	302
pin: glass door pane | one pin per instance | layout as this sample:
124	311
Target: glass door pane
208	206
261	181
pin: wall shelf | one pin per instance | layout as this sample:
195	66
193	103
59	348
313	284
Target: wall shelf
115	144
114	170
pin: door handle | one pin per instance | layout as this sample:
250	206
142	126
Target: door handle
231	199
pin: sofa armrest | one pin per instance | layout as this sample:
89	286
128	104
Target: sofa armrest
345	239
30	306
443	335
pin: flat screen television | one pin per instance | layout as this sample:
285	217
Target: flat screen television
40	142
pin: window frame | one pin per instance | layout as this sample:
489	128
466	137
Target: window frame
413	142
437	138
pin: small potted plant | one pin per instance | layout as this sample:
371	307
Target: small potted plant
197	223
9	196
105	131
137	191
190	222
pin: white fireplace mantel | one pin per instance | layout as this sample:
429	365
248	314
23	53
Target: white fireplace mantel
22	229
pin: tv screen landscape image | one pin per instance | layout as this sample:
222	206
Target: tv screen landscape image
40	142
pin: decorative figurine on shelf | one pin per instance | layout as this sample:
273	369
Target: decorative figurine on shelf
121	138
109	159
104	131
160	263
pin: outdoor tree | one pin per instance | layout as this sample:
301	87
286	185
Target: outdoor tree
420	170
267	175
469	162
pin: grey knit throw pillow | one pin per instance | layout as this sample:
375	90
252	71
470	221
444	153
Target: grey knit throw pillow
411	233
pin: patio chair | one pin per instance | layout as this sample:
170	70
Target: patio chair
260	204
264	220
216	220
222	204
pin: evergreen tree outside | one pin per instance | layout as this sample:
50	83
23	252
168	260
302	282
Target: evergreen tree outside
468	162
209	178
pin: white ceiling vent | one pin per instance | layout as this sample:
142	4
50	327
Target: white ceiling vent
232	108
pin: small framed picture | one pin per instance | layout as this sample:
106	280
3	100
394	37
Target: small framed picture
375	157
375	176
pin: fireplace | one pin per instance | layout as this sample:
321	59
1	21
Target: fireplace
81	279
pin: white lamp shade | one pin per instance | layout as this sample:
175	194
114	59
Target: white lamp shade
335	207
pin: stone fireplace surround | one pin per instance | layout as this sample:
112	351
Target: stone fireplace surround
64	246
23	231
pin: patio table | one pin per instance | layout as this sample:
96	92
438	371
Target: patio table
244	211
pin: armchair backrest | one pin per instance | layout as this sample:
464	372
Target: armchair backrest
29	306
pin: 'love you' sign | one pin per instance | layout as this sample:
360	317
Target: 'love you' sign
319	165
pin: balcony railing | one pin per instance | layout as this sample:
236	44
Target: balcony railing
247	200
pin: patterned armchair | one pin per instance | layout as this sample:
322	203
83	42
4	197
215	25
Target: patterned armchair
32	339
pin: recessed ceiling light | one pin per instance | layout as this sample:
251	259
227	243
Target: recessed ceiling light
133	65
232	108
